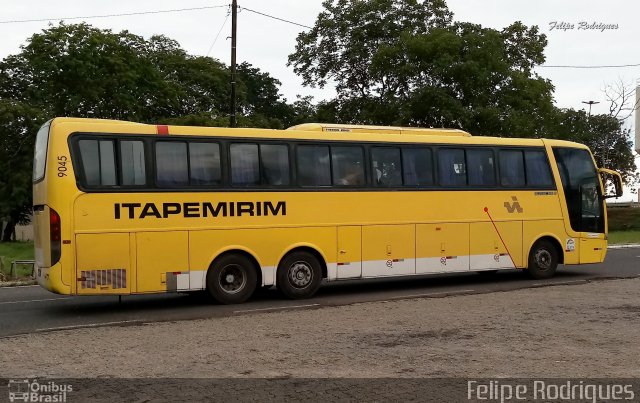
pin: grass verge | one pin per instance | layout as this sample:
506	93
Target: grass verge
10	251
622	237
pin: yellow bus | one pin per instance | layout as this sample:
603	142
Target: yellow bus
126	208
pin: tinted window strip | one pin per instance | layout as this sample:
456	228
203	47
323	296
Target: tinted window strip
149	143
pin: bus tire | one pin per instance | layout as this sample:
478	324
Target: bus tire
543	260
299	275
232	279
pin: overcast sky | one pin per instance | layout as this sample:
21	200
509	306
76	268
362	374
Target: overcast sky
266	43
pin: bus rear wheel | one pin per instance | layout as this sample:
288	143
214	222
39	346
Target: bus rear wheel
543	260
232	279
299	275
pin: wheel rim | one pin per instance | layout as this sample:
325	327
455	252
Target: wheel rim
232	279
543	259
300	274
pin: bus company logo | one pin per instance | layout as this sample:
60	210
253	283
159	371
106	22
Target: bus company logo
25	390
513	207
199	210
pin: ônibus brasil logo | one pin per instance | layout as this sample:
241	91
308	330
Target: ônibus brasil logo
25	390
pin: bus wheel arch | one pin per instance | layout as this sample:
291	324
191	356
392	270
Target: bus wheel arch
300	272
233	276
544	256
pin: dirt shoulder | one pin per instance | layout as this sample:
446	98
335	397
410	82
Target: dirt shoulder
588	330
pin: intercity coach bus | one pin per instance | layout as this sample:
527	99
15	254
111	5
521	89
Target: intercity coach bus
126	208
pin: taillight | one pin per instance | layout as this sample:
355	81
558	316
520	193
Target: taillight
55	236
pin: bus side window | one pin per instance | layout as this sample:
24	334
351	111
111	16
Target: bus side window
274	164
204	164
98	162
312	163
417	166
538	171
132	162
171	164
245	167
347	164
512	168
481	167
451	167
386	164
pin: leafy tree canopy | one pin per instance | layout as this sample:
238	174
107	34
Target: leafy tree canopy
407	62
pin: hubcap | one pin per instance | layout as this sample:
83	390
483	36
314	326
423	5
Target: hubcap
300	274
232	279
543	259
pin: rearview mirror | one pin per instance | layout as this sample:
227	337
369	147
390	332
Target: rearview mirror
612	183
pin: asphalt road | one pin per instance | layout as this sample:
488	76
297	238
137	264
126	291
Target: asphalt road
32	309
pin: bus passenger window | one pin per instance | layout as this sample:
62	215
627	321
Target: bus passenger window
386	164
481	167
245	168
511	168
132	162
274	164
538	171
451	166
417	166
98	162
171	164
313	166
204	163
348	166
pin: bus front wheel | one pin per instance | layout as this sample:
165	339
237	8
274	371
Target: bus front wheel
543	260
232	279
299	275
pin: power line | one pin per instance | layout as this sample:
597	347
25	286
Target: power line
218	34
275	18
114	15
612	66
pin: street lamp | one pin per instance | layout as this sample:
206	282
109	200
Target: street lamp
590	103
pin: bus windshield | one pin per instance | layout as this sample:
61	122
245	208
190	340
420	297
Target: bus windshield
581	189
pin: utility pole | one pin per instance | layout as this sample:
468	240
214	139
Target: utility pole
590	103
234	29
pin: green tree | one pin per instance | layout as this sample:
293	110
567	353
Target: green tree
406	62
18	123
79	70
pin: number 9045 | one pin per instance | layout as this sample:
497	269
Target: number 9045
62	166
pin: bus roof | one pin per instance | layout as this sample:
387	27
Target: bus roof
340	128
309	131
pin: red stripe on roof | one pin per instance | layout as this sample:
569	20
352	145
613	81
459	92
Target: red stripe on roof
162	129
